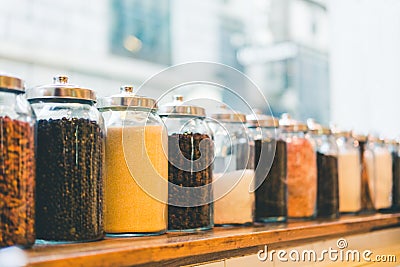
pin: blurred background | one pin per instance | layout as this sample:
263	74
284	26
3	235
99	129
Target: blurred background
333	60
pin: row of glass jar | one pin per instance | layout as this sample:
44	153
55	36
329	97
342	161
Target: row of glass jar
63	180
144	166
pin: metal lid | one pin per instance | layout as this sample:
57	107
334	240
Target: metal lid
317	128
61	89
313	126
393	142
287	124
299	126
286	120
375	139
227	115
127	98
323	130
261	120
9	82
340	133
361	137
177	108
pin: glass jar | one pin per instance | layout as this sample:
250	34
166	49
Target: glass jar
135	158
327	169
301	169
349	173
270	169
17	164
190	176
383	182
367	173
394	147
233	168
69	188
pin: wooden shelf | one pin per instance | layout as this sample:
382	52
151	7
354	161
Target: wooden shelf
184	248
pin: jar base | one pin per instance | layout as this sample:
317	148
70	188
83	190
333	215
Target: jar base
234	224
271	219
193	230
294	219
350	212
328	217
367	212
386	210
63	242
134	234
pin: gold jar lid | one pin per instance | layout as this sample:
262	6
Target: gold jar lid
316	128
261	120
12	83
375	139
227	115
60	89
393	142
341	133
361	137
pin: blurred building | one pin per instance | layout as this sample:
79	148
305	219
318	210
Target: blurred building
291	64
280	44
103	43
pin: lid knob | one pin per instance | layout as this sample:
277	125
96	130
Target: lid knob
127	89
60	79
178	98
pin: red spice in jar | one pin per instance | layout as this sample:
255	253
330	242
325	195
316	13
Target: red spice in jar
301	178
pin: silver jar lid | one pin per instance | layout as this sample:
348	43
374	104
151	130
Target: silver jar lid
226	115
178	108
316	128
61	89
127	98
287	124
261	120
9	82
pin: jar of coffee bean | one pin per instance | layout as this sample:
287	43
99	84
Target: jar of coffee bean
190	157
270	168
17	165
70	136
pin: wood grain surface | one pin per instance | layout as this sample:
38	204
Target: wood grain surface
183	248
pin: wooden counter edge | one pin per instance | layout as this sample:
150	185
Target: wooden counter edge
190	248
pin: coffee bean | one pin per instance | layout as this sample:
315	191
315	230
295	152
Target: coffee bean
69	197
179	173
271	196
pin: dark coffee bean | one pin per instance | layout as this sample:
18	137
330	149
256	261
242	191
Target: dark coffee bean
69	180
328	188
188	145
271	195
396	182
